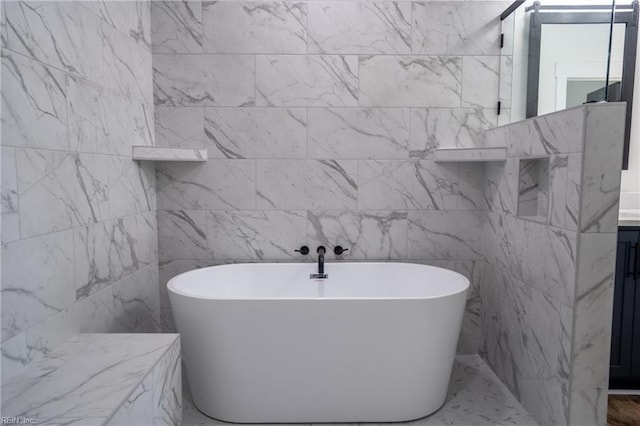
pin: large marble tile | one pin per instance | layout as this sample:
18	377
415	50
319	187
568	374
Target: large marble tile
182	234
358	133
3	26
604	135
39	282
456	28
515	246
216	184
58	191
136	304
58	34
92	314
203	80
539	323
501	186
179	127
255	27
446	235
480	81
138	407
312	80
131	18
176	26
91	111
89	376
588	406
301	184
34	112
108	251
433	128
556	133
9	194
370	234
407	185
255	235
132	187
471	186
94	258
558	168
574	183
542	392
127	66
14	356
410	81
100	121
593	310
359	27
167	388
256	132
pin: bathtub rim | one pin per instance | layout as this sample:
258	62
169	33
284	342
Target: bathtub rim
171	284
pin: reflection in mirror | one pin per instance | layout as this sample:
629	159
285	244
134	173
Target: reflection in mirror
556	56
573	65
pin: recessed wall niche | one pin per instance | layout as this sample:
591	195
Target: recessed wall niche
533	189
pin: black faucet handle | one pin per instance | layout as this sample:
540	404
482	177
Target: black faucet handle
304	250
338	250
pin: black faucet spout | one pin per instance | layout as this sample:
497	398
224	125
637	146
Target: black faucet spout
321	251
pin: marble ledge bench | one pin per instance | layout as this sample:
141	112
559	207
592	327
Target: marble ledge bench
101	379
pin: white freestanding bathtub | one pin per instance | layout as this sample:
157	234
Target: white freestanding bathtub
264	343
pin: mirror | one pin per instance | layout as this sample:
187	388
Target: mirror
559	55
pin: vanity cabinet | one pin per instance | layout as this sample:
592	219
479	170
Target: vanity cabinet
624	370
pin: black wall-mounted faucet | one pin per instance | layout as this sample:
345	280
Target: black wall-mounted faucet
338	250
304	250
321	251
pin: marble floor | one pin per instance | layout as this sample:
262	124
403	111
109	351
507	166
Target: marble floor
476	397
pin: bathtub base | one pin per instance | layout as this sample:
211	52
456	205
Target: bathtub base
321	361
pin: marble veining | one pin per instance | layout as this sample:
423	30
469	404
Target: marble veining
255	235
402	185
255	27
433	128
91	375
34	112
48	32
179	127
359	27
368	234
42	286
456	28
296	184
312	80
216	184
359	132
177	26
203	80
9	197
256	132
410	81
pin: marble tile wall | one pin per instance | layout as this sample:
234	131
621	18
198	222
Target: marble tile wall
547	280
321	119
79	234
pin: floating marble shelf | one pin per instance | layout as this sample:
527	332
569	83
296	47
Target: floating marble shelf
470	154
107	378
152	153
